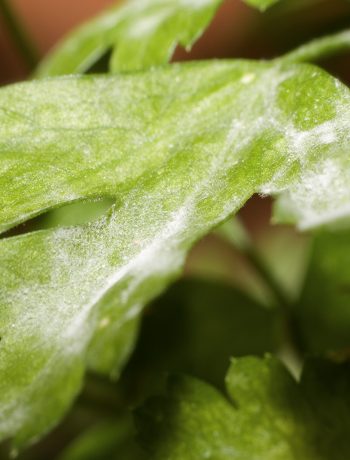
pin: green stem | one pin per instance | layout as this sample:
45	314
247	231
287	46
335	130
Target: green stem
320	48
18	34
234	232
101	396
295	5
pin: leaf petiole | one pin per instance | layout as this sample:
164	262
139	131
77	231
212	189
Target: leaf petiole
320	48
19	35
234	232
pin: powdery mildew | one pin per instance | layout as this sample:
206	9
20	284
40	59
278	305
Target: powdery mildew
205	145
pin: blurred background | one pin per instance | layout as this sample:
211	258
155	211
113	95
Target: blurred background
99	420
237	31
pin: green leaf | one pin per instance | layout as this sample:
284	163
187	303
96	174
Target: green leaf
321	48
262	5
107	440
144	34
210	322
179	148
271	416
323	308
139	33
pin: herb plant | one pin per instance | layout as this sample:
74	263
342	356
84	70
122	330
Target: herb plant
115	178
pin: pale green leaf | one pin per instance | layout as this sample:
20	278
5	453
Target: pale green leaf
321	48
144	33
270	417
108	440
179	149
262	4
141	33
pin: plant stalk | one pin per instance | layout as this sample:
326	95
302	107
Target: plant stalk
320	48
234	232
19	36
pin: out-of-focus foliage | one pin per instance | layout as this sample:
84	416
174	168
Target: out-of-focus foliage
262	4
210	323
270	416
323	309
139	33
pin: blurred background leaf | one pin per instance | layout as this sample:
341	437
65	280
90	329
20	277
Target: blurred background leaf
324	306
195	328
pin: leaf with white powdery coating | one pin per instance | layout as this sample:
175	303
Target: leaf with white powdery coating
270	417
140	33
262	5
180	149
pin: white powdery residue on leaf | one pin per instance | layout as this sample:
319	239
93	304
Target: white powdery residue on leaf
248	78
328	178
78	274
146	25
296	149
32	322
130	314
299	145
158	256
196	4
302	141
320	193
319	219
229	451
324	177
233	139
18	411
113	18
13	413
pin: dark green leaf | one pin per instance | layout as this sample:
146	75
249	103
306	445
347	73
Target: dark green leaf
262	4
271	416
195	328
324	307
321	48
105	441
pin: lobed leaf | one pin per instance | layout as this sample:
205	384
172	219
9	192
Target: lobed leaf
108	440
270	416
262	4
140	34
179	149
210	322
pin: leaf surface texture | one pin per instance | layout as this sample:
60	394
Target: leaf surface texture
179	149
270	415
